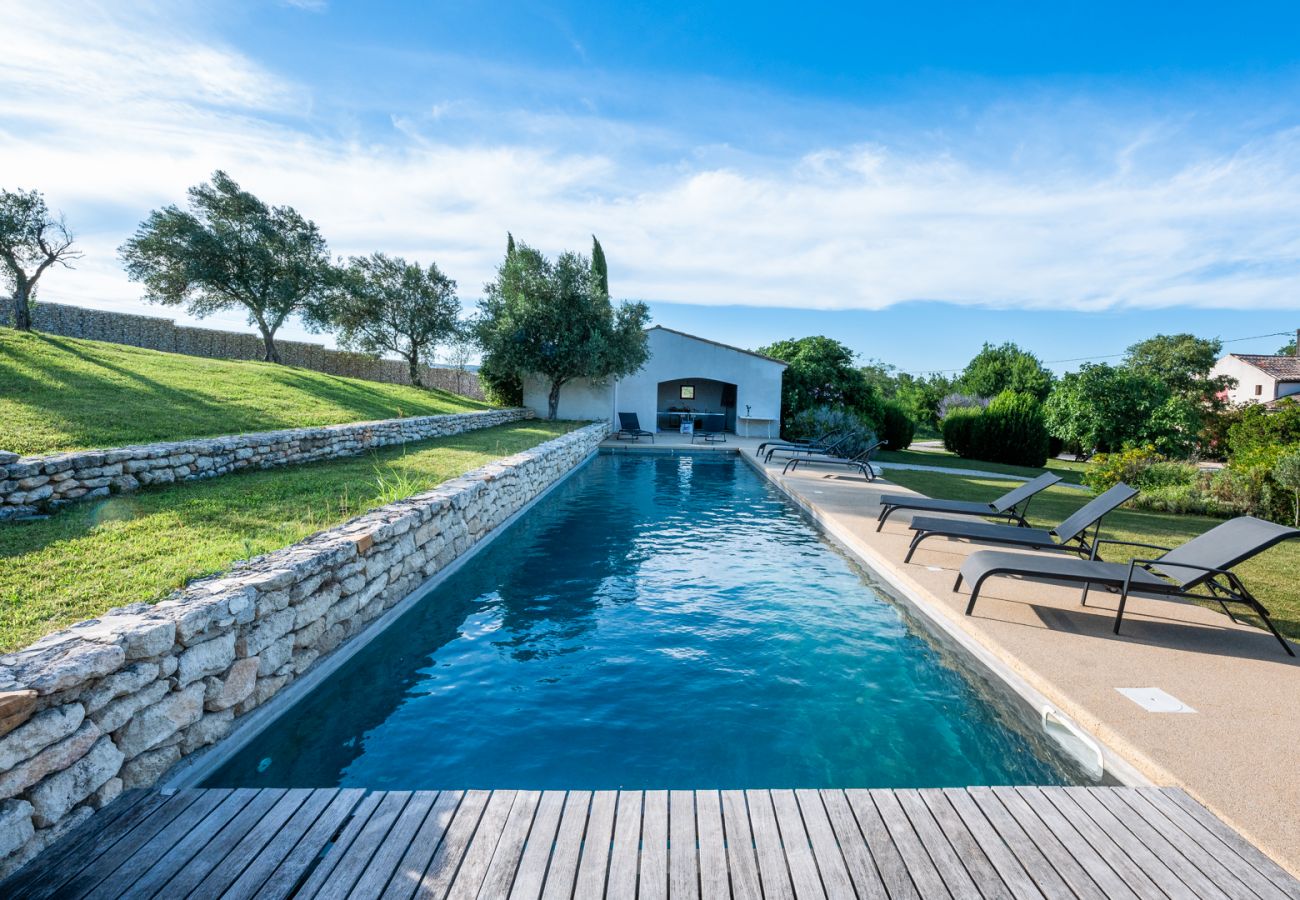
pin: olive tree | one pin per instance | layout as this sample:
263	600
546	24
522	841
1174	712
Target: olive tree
31	240
384	304
230	250
555	320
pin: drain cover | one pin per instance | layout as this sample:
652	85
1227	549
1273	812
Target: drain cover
1152	699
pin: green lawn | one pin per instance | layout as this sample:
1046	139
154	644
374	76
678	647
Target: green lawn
1069	470
60	393
1270	576
134	547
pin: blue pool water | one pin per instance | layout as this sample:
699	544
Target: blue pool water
655	621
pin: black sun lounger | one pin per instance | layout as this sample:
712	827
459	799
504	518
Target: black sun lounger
1011	505
1203	563
827	449
1072	534
629	426
861	462
818	442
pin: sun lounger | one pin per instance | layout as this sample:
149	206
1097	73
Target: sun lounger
629	427
827	449
1011	505
820	441
1071	535
1204	563
861	461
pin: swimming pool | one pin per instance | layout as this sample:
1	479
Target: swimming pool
655	621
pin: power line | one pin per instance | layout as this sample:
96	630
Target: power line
1051	362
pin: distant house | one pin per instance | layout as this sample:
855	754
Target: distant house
1260	379
686	378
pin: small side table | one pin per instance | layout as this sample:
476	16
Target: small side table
751	420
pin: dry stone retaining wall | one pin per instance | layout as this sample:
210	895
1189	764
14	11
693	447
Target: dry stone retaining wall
112	703
154	333
34	484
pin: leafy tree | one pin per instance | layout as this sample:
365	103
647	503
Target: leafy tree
553	319
1107	408
510	244
1005	367
459	352
1286	471
232	251
921	396
1287	349
1183	363
821	373
31	240
1260	434
599	268
384	304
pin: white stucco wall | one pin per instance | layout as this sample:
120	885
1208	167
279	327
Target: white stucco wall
673	357
1248	379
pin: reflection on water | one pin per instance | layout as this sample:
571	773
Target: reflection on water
656	621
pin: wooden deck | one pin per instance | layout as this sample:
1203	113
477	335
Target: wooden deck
977	842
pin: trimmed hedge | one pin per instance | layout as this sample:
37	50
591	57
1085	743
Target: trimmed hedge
896	427
1010	430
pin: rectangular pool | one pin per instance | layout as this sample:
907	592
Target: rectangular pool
655	621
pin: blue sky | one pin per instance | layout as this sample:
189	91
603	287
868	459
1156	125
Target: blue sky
913	179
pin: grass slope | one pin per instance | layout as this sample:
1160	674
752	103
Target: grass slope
61	393
1270	576
94	556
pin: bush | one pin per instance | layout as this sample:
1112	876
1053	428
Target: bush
896	426
820	419
952	402
1105	470
1013	430
1260	437
958	428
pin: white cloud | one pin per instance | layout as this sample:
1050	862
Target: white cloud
113	114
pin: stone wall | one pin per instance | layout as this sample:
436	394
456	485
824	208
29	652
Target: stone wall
36	484
113	703
154	333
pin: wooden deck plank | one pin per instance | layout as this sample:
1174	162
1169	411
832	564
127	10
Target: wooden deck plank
185	882
361	850
968	851
51	873
510	849
1057	854
437	878
246	851
653	882
954	874
857	857
1041	800
1155	868
994	847
826	850
338	851
621	884
415	860
563	871
256	871
1092	862
1026	850
1230	838
1168	854
924	874
889	861
683	859
1208	863
171	849
715	883
384	863
594	864
741	862
478	856
773	868
804	876
531	875
321	829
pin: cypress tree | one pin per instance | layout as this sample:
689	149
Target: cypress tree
598	266
510	245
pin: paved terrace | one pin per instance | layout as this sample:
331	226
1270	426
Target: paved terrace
1236	753
958	843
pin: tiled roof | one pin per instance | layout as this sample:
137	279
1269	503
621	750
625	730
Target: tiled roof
1283	368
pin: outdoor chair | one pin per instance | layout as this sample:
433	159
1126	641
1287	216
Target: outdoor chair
1204	562
860	461
1012	505
1071	535
712	430
629	428
829	449
820	441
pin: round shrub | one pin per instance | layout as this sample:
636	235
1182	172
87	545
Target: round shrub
1012	430
896	427
959	428
817	421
